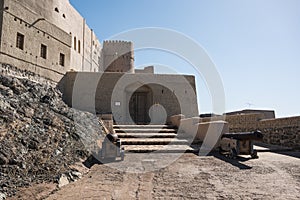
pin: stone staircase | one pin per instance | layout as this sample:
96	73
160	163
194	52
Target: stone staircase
151	138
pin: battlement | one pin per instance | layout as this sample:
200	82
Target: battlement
116	42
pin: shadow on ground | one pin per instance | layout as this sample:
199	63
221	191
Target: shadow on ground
91	161
238	162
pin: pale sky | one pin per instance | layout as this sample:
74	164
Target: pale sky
255	44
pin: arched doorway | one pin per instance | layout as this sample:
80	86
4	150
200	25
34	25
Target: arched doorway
139	105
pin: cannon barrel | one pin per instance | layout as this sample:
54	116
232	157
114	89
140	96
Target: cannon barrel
256	135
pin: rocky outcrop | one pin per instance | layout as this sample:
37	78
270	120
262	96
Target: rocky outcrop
40	136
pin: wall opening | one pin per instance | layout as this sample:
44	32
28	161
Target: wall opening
75	40
62	59
43	51
79	46
139	105
20	41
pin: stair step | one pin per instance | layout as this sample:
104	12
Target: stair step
159	149
145	130
146	135
142	126
153	141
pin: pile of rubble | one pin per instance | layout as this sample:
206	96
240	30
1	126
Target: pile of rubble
40	136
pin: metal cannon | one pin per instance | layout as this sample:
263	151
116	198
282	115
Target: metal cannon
234	144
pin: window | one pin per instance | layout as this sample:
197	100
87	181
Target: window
79	46
62	59
64	16
75	43
20	41
56	10
43	51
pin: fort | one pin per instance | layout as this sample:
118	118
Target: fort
51	39
69	101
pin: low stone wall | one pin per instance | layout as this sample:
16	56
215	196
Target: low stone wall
239	123
282	131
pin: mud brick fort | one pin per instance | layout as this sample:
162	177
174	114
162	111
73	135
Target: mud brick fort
51	39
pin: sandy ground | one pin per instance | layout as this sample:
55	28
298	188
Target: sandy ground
272	176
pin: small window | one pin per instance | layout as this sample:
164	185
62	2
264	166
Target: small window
79	46
56	10
64	16
75	43
20	41
44	51
62	59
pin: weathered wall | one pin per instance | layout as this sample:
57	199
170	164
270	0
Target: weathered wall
268	114
18	19
281	131
99	92
65	16
54	23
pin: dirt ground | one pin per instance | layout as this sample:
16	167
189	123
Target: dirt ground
272	176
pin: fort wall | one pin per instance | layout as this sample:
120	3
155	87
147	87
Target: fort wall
111	92
35	32
280	131
54	24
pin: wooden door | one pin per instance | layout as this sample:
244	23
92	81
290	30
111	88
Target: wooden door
138	107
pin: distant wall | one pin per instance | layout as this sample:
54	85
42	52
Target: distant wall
281	131
148	70
268	114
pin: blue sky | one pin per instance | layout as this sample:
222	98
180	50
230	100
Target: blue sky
254	44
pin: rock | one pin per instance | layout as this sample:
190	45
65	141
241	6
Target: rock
76	174
46	99
3	160
17	87
28	112
2	196
41	140
63	180
6	91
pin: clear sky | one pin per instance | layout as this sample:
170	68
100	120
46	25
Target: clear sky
255	44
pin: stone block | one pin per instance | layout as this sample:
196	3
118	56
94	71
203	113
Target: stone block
175	119
106	116
187	128
210	132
